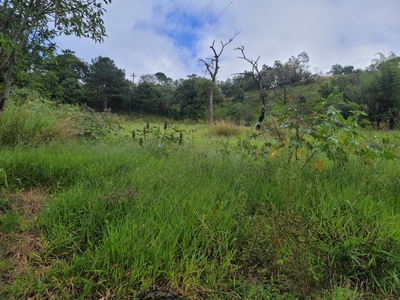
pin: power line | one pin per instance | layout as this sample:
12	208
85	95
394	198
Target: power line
201	35
171	35
176	48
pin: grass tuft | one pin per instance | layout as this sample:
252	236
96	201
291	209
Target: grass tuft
226	129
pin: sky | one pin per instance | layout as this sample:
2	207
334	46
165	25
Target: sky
170	36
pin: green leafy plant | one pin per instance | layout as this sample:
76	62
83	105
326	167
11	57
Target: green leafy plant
91	124
328	133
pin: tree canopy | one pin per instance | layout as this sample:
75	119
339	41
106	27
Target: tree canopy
27	28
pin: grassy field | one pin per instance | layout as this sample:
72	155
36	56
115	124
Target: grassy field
198	215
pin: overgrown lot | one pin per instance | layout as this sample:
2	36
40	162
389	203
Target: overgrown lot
85	219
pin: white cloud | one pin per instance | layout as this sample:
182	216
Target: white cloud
345	32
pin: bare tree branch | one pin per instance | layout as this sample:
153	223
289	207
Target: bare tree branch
256	75
212	67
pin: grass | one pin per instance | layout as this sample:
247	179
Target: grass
84	219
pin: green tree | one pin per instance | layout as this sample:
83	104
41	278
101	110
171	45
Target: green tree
106	82
67	65
375	90
29	26
163	79
384	103
338	69
48	85
289	73
147	98
191	104
60	77
232	89
167	106
71	72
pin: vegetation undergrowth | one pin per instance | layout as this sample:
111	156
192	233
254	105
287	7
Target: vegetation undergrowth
35	121
263	219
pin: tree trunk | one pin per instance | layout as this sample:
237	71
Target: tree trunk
211	116
105	103
7	82
284	95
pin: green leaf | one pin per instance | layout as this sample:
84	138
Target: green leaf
9	50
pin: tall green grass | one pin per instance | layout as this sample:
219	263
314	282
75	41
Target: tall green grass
31	123
40	121
214	224
204	218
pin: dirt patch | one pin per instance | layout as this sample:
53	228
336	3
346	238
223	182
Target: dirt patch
19	248
28	203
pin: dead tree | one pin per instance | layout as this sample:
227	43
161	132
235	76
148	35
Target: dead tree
256	75
212	67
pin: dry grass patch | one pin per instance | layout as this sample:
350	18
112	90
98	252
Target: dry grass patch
226	128
19	249
28	203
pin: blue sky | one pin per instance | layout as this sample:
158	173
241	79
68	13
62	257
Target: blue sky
145	36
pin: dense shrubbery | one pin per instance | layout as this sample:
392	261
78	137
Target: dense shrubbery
31	119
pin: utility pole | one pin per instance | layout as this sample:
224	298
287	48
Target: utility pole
133	77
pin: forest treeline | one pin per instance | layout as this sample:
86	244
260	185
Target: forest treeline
101	85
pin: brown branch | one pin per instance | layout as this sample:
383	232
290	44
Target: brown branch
256	75
212	67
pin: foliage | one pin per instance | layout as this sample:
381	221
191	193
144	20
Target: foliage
376	89
233	90
336	137
239	113
191	103
338	69
34	120
383	105
27	29
148	98
91	124
283	75
66	78
106	83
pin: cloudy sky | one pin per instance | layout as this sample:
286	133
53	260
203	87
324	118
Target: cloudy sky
169	36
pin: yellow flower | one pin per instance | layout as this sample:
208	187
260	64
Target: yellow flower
274	154
319	165
299	151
